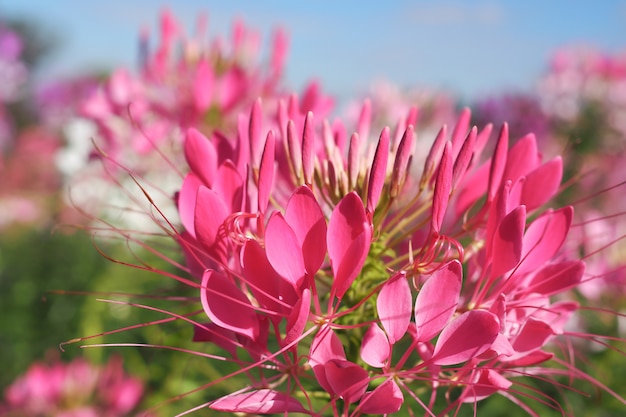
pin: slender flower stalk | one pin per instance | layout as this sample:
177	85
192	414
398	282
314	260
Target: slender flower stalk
344	281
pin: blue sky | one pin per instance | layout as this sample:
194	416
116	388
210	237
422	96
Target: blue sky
472	48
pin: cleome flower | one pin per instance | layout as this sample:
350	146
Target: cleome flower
344	281
76	389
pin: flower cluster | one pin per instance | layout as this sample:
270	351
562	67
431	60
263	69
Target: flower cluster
337	272
138	120
74	389
344	281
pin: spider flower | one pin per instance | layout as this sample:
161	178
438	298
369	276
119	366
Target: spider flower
344	281
186	81
76	389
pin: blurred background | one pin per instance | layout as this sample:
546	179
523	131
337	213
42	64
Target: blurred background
555	68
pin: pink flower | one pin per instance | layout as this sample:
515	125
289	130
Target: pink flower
327	269
74	389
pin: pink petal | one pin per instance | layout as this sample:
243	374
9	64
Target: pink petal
325	347
229	184
488	382
365	119
305	216
433	155
347	380
466	337
209	217
507	242
401	163
271	291
394	306
266	172
544	238
532	358
465	157
349	237
522	158
437	300
255	134
294	144
471	189
375	347
283	250
203	86
387	398
498	162
354	160
201	156
308	149
220	297
533	335
542	184
460	130
186	202
443	186
557	315
298	318
263	401
556	278
378	172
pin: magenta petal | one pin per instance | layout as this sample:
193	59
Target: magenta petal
522	158
271	291
375	347
255	134
488	382
308	149
471	189
542	183
266	172
558	315
349	237
394	305
443	186
296	322
283	250
325	347
532	336
465	157
460	130
304	215
263	401
498	162
437	300
220	297
507	242
378	172
187	202
203	86
229	184
555	278
544	238
209	216
466	337
348	380
201	156
387	398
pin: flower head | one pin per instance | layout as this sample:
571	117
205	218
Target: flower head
328	267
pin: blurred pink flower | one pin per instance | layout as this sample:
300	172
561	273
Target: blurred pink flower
76	389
